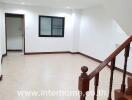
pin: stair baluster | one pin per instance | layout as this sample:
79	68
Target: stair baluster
111	78
123	86
96	83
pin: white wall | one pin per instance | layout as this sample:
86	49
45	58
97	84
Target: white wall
1	34
130	7
76	19
0	43
34	43
2	30
121	11
99	35
14	29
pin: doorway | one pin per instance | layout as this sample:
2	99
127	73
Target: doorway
15	33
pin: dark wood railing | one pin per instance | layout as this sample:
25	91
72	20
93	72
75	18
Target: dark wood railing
84	79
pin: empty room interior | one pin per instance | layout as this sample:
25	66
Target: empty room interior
65	50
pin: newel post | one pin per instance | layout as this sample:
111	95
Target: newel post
83	85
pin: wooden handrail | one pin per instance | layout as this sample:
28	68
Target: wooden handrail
109	59
84	79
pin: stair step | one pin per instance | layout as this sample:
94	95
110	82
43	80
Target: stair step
120	96
129	82
129	90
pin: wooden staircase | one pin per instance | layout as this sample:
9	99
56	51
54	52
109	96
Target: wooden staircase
121	94
127	95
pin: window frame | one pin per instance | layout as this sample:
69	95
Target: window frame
63	26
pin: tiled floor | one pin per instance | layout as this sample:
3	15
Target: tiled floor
49	72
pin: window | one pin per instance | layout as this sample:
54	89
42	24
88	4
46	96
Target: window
50	26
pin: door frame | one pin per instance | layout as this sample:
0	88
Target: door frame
15	15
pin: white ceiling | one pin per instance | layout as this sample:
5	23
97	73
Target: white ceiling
73	4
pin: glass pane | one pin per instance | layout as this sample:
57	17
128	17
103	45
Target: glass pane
57	22
57	26
45	25
57	32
